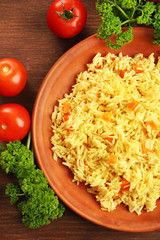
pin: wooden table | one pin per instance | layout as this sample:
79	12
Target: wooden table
24	35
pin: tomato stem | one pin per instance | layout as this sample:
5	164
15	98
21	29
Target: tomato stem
28	140
29	145
5	69
4	126
66	14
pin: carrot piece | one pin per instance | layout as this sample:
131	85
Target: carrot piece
147	146
106	116
66	107
66	116
98	66
134	106
143	149
125	185
113	58
119	193
138	68
152	124
123	73
112	159
110	138
69	129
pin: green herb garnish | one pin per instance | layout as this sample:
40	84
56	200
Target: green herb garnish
116	14
37	202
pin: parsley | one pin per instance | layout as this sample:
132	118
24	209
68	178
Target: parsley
37	202
116	14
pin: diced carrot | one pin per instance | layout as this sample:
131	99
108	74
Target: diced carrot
113	58
123	73
134	106
119	193
152	124
110	138
66	107
147	146
125	185
143	148
69	129
112	159
138	68
106	116
66	116
98	66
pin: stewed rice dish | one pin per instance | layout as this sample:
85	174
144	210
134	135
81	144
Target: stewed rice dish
107	131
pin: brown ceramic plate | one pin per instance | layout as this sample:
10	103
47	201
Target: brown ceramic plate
58	81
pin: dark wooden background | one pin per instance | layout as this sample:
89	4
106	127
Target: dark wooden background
24	35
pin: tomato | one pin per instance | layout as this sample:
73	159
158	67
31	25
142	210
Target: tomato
13	77
14	122
66	18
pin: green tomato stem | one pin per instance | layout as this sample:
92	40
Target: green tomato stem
28	140
67	15
28	145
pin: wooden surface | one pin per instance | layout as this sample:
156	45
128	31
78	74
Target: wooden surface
24	35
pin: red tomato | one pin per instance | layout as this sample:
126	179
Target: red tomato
14	122
13	77
66	18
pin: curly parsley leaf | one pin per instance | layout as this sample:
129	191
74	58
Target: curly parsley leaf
147	11
13	192
117	14
156	24
37	202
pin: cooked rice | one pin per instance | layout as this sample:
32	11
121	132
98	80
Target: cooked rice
86	140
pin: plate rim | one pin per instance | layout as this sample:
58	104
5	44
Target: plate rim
33	123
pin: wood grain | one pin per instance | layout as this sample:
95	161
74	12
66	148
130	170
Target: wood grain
24	35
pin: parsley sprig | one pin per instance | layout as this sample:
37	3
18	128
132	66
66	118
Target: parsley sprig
116	14
37	202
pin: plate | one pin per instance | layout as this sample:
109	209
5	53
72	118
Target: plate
58	81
